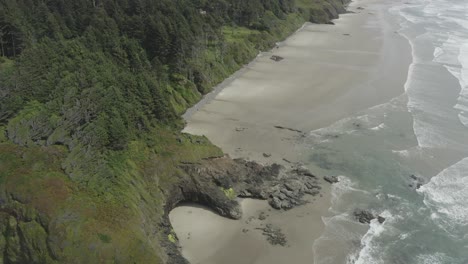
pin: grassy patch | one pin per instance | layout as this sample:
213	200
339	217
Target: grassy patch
3	136
230	193
104	238
171	238
235	34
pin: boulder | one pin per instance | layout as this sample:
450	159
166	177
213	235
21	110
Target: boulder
363	216
276	58
380	219
274	235
331	179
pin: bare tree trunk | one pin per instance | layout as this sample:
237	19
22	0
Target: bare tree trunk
1	44
14	47
1	41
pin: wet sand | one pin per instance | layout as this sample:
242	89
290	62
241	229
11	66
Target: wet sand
328	73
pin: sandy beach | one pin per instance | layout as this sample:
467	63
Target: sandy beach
328	73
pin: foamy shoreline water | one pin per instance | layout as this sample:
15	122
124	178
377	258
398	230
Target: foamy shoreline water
418	174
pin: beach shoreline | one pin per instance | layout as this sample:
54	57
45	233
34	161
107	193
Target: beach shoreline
263	112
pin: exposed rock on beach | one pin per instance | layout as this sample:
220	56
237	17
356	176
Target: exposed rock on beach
217	182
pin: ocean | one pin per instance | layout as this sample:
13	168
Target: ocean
407	159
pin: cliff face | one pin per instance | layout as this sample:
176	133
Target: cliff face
91	157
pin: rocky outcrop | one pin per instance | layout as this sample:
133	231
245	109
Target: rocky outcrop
331	179
327	11
365	216
274	235
202	191
276	58
284	189
415	182
217	182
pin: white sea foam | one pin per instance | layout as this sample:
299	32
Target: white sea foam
463	118
379	127
335	228
403	153
462	104
446	24
370	252
448	51
435	258
404	236
342	187
438	51
447	196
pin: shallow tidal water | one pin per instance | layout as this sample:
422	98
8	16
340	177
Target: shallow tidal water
407	159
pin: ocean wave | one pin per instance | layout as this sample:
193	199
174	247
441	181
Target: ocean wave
463	118
371	118
436	258
446	194
342	187
447	53
462	104
403	153
379	127
371	252
445	25
337	229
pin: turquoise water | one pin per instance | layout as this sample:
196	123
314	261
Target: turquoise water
382	153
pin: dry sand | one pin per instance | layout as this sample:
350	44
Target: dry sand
328	73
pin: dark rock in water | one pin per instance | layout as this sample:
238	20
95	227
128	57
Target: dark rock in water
262	216
276	58
417	182
363	216
245	230
330	23
357	125
266	155
274	235
346	34
360	8
331	179
381	219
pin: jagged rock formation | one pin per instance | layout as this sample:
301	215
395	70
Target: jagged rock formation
365	216
216	182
